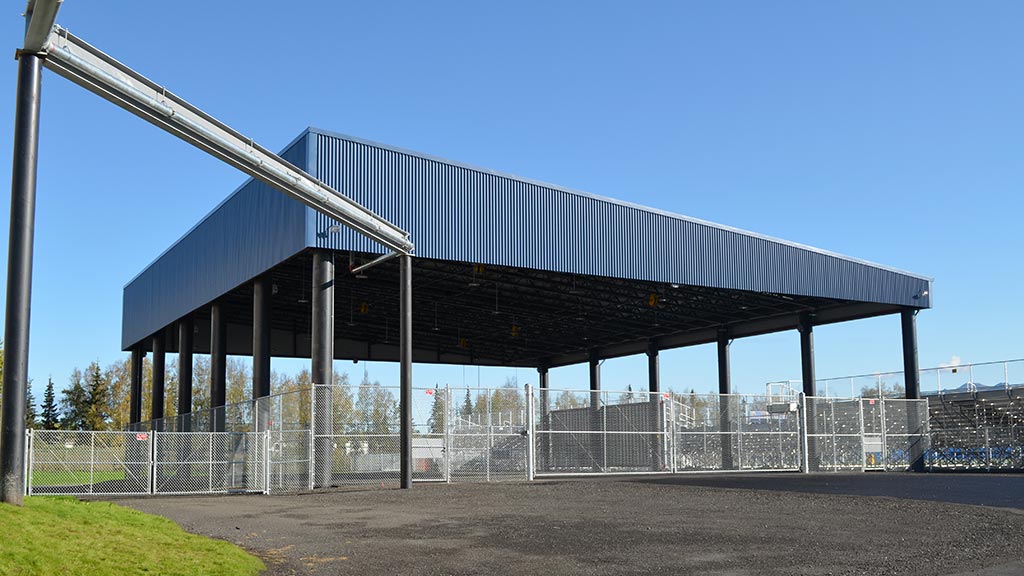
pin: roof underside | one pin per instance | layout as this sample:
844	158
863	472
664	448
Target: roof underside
509	271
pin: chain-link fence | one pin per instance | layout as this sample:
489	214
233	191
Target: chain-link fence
865	433
68	462
737	432
601	432
329	436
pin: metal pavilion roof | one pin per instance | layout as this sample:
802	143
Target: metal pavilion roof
508	270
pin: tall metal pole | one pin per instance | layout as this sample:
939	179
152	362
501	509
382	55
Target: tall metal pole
185	339
135	390
323	366
218	365
725	399
19	278
596	425
806	328
262	289
156	403
405	352
656	407
912	381
545	417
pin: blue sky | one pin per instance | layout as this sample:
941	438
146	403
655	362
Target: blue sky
890	132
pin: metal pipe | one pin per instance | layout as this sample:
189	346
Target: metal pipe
135	389
262	290
405	353
655	401
596	425
19	278
375	261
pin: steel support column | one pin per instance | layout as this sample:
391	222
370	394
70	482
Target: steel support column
135	388
543	383
186	331
725	402
805	326
323	365
262	290
156	399
658	405
218	366
405	354
596	422
912	382
19	278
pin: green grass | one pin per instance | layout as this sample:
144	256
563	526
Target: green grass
63	536
74	477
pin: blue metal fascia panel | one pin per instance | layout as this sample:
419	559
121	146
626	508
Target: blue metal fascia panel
464	213
253	230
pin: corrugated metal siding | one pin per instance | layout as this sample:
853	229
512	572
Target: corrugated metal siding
256	228
457	212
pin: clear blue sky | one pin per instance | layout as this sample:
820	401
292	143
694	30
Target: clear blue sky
886	131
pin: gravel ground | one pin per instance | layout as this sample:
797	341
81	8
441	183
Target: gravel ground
709	525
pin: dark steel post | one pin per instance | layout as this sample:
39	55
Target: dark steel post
912	382
323	365
725	401
806	328
405	353
596	427
262	289
135	392
657	404
186	332
19	278
218	366
156	405
545	419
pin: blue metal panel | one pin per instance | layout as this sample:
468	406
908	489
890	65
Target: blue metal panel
255	229
463	213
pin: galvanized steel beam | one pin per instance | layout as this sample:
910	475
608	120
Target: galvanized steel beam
76	60
186	335
806	328
156	399
405	344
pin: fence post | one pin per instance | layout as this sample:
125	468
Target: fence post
805	456
266	460
530	444
28	461
152	462
446	439
312	436
863	451
675	430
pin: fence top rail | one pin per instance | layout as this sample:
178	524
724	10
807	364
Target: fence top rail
933	369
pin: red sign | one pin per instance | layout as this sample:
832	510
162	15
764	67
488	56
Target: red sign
430	392
142	436
871	402
666	394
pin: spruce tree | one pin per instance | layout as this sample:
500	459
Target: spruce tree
467	406
50	415
31	415
98	411
75	403
436	422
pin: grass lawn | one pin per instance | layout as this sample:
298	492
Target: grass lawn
63	536
74	477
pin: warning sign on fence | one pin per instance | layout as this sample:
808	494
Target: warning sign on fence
141	436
